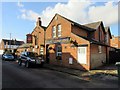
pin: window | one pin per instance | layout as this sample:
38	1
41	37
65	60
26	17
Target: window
106	38
54	31
100	49
59	52
41	50
59	30
35	40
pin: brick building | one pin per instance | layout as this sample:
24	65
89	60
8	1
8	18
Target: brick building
115	41
6	44
36	39
78	46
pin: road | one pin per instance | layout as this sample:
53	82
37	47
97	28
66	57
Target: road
14	76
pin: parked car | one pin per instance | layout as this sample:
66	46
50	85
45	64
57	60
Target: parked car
29	59
7	57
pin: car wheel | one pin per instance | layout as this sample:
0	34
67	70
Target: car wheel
41	65
27	64
2	59
20	62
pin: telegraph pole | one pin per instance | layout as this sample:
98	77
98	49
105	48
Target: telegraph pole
10	41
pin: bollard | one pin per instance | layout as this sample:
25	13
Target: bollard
118	65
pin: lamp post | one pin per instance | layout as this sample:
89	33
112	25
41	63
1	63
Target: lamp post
118	67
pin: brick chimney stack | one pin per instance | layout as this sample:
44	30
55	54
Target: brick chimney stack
39	22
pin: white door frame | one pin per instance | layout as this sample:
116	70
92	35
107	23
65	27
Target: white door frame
82	55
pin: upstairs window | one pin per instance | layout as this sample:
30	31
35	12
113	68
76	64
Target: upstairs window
59	30
107	38
53	31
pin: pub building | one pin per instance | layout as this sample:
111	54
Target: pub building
67	43
73	45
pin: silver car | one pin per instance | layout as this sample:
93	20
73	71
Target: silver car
7	57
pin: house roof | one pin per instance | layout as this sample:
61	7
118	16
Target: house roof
41	27
12	42
107	29
26	45
94	25
92	41
73	23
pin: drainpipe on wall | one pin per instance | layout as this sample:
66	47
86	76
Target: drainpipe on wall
44	42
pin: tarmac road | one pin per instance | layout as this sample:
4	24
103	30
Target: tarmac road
14	76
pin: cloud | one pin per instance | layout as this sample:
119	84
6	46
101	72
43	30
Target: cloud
19	4
107	13
78	10
29	15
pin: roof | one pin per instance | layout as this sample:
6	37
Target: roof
41	27
107	29
79	25
44	27
26	45
12	42
74	23
92	41
93	25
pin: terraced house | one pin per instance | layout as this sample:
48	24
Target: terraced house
73	45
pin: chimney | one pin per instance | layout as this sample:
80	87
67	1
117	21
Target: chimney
39	22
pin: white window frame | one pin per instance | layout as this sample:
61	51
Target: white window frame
59	53
41	50
100	49
107	38
59	30
54	31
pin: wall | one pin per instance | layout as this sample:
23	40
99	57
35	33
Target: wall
1	45
39	33
115	42
79	31
69	51
65	27
96	57
102	38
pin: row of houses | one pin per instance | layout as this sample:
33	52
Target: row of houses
67	43
7	44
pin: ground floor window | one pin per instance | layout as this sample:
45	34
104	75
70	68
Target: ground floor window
41	50
100	49
59	52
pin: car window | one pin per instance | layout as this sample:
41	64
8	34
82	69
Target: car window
9	54
31	54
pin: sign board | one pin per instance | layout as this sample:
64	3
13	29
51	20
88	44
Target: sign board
70	60
58	40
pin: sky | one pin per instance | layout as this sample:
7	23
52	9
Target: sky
19	17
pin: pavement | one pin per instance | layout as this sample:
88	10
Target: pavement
106	73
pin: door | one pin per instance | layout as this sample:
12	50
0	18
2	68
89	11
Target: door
47	54
82	55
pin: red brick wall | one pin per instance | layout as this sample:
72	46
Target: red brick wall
69	51
77	30
2	45
65	27
96	57
115	42
39	32
97	34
